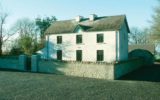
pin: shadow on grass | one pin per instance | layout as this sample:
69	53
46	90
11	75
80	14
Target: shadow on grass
11	70
145	73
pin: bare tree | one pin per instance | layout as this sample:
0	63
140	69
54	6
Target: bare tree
3	17
25	27
137	36
155	25
27	40
4	34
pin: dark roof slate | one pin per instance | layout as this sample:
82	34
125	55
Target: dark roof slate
106	23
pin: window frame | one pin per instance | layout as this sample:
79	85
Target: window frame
100	55
100	38
59	39
79	39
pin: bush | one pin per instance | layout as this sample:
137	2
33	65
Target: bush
15	51
143	54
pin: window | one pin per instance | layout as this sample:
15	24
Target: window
99	55
78	39
99	38
78	55
59	39
59	54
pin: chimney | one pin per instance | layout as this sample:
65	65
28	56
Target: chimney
92	17
78	18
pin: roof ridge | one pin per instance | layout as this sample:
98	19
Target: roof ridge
64	20
88	17
114	15
102	23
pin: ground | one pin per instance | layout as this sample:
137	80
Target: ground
37	86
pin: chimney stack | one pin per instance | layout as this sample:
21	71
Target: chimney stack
92	17
78	18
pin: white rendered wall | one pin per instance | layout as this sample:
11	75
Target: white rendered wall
123	34
89	46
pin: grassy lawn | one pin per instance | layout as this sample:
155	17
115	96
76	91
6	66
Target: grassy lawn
33	86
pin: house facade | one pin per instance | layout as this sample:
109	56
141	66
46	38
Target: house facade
90	39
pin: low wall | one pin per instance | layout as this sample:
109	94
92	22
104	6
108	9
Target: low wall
92	70
16	63
82	69
9	62
123	68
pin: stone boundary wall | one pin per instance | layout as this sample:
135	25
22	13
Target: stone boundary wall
83	69
91	70
16	63
9	62
126	67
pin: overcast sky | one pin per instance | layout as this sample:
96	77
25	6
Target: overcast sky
138	12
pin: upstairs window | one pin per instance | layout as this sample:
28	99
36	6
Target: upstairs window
99	38
100	55
59	39
78	39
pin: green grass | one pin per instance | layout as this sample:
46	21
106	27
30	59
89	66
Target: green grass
33	86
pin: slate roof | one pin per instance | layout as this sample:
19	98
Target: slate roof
106	23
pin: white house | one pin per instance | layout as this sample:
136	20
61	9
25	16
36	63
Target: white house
88	39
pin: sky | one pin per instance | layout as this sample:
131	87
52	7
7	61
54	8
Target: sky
139	12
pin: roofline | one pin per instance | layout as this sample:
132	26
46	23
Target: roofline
125	20
127	24
77	27
83	32
88	18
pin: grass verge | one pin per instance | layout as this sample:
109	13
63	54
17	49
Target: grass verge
36	86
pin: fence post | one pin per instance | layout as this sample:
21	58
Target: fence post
34	63
22	62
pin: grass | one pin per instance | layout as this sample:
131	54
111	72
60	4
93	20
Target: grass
36	86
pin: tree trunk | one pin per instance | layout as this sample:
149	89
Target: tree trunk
1	39
0	49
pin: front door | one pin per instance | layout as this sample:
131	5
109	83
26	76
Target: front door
59	54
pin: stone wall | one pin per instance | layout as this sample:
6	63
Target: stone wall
85	69
16	63
92	70
125	67
9	63
81	69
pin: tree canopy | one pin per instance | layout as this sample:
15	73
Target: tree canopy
27	40
139	36
44	23
156	23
